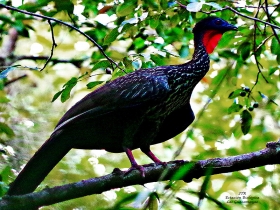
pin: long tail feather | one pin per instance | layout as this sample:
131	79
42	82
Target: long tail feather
39	166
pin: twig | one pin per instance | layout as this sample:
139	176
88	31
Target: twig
15	80
238	13
254	53
53	46
263	42
256	7
66	24
269	20
248	17
76	62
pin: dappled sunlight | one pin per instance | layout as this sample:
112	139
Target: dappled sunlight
254	181
35	49
236	105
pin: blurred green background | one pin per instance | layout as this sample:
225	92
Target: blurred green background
140	34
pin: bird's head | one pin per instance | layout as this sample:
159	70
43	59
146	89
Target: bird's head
211	30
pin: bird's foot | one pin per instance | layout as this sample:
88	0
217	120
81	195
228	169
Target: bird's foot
162	163
136	167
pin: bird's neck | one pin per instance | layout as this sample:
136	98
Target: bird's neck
200	58
200	63
193	71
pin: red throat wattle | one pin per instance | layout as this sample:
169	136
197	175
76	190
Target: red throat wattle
211	39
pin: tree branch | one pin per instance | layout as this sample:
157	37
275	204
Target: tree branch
240	14
15	80
66	24
53	46
269	20
252	18
258	64
153	173
75	62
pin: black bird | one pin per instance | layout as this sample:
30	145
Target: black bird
146	107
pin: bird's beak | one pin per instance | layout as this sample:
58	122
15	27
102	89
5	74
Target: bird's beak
230	27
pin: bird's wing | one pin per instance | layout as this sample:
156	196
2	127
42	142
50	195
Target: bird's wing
136	89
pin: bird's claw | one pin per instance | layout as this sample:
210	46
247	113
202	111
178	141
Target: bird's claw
162	163
136	167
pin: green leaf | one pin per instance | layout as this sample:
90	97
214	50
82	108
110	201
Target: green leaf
6	129
5	176
65	95
101	64
93	84
246	121
139	43
234	108
3	97
228	54
126	200
245	50
126	27
205	184
72	81
126	8
127	63
220	77
235	94
152	202
182	171
2	84
56	95
152	4
187	204
272	70
109	38
64	5
154	21
164	4
275	46
6	19
278	59
157	60
195	6
6	173
175	19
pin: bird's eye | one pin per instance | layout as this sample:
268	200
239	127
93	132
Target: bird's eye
218	22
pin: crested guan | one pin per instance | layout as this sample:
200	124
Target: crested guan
137	110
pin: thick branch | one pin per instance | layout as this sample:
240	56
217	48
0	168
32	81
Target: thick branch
153	173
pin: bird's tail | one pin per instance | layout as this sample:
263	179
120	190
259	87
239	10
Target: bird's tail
39	166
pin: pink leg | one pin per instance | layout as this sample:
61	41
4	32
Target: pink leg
130	157
151	155
134	164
